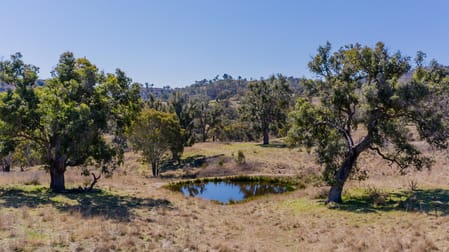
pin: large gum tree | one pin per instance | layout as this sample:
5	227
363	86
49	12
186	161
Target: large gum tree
69	117
360	89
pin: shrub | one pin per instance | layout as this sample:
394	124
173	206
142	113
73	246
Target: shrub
240	159
376	196
221	161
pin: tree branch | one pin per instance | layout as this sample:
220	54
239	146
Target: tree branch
345	133
96	178
390	159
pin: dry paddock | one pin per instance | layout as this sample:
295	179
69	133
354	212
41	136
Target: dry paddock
134	212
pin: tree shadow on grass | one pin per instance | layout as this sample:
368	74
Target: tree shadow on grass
92	204
188	162
430	201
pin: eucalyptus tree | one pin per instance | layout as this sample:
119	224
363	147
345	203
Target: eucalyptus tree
123	105
359	90
202	117
68	117
265	105
184	109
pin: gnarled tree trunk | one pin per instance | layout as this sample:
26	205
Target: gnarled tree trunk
341	176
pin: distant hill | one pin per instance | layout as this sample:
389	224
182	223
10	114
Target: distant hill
222	88
228	87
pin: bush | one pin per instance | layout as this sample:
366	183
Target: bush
221	161
376	196
240	159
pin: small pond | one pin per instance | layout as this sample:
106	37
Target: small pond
229	191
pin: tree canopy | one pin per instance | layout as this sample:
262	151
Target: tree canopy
359	89
265	105
159	136
68	117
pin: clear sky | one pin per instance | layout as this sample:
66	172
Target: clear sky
174	43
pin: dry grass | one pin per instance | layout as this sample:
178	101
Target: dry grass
134	212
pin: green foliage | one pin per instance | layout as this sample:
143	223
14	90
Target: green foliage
221	161
156	103
66	119
359	88
202	117
159	136
265	105
208	109
236	131
26	154
15	72
217	88
123	106
185	111
230	88
240	159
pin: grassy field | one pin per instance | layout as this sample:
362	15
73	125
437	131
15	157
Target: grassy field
131	211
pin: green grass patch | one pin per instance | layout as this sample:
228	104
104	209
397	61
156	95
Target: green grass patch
35	235
62	199
303	205
363	206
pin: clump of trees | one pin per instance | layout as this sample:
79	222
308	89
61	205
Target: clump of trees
84	117
203	119
211	110
359	90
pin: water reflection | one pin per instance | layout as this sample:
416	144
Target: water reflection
227	191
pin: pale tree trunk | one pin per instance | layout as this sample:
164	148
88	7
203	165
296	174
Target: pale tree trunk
341	176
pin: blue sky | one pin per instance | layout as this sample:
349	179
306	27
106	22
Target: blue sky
174	43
